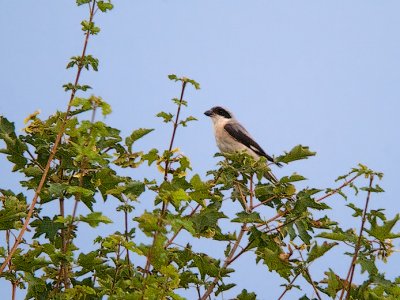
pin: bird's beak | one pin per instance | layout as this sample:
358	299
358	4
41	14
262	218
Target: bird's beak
208	113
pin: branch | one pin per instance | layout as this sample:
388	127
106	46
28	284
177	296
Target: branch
167	162
306	270
283	213
289	286
171	240
350	273
52	153
227	262
174	130
346	183
263	202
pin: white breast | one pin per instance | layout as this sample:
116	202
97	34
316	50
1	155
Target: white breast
225	142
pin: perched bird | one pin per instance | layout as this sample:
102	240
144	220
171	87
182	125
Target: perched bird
231	136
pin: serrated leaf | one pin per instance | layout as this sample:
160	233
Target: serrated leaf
293	178
104	6
80	2
274	262
47	227
15	148
298	152
206	219
79	190
385	230
318	251
167	117
188	119
339	235
12	212
94	219
375	189
172	77
135	135
244	295
247	217
367	264
224	287
334	283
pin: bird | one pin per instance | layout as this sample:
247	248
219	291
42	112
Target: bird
232	137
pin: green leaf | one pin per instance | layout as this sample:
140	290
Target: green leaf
136	135
385	230
87	26
89	262
47	227
358	212
15	148
167	117
188	119
206	265
224	287
244	295
334	283
294	177
297	153
367	264
94	219
79	190
247	217
304	202
13	210
303	228
318	251
172	77
57	190
104	6
148	223
376	189
134	189
206	219
178	223
274	262
80	2
175	78
339	235
37	288
151	156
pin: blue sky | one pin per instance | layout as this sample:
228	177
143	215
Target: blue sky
318	73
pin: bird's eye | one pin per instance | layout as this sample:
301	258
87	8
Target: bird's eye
222	112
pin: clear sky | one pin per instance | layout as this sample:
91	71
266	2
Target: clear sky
321	73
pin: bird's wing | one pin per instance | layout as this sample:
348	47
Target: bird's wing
242	136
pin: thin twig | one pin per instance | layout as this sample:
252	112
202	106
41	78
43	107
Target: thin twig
52	153
117	268
346	183
242	197
34	160
171	240
251	193
174	130
227	262
306	270
289	286
350	273
265	201
127	237
164	204
283	213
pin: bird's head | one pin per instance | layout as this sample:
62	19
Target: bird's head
219	113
